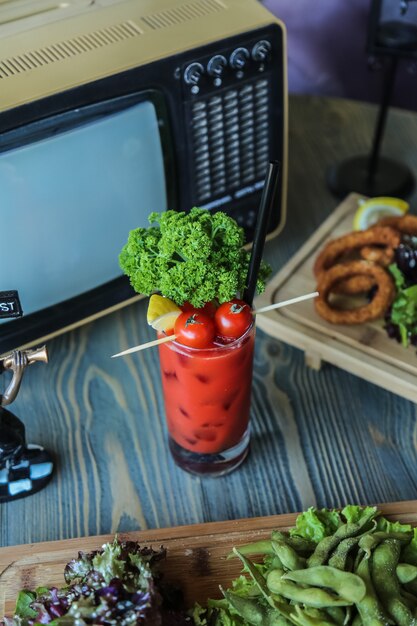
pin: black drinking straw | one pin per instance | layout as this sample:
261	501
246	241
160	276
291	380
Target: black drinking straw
265	207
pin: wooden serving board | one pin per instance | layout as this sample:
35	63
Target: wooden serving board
364	350
196	554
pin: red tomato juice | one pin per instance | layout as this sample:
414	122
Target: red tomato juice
207	393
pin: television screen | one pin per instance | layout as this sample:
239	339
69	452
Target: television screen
70	193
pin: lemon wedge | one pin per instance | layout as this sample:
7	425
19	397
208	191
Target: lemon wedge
165	322
162	313
370	211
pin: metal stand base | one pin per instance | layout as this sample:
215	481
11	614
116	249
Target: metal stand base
24	469
30	474
390	179
374	175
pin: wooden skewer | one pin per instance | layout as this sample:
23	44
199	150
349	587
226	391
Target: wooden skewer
278	305
264	309
143	346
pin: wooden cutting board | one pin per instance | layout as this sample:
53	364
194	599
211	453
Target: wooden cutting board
365	349
196	554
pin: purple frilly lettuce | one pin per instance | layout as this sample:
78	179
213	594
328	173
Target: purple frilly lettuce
117	585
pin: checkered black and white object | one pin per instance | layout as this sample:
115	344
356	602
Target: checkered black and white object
26	475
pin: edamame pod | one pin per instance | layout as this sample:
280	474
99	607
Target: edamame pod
348	586
406	572
340	555
304	618
275	619
301	544
370	608
311	596
258	579
370	541
254	613
257	547
287	555
338	614
384	561
248	608
328	544
275	602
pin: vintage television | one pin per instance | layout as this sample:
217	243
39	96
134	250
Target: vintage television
111	109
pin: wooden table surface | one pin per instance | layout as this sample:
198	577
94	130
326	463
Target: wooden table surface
319	438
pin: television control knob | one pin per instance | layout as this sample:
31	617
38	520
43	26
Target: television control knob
193	73
216	65
261	50
239	58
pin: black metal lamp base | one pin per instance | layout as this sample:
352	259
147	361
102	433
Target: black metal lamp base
24	469
391	178
31	473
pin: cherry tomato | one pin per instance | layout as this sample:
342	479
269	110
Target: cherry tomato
208	309
233	318
194	329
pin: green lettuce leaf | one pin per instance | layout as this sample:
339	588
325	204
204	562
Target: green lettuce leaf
315	524
217	613
392	527
353	513
23	602
404	308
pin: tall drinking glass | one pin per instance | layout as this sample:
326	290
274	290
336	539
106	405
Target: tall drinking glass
207	395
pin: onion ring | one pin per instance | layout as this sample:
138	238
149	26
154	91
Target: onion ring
375	309
379	235
382	256
405	224
354	285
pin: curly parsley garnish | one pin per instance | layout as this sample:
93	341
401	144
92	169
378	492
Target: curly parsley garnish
195	257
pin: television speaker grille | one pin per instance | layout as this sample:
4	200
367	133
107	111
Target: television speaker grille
230	136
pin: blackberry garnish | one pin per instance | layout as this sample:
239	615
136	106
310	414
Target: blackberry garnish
392	329
401	317
406	257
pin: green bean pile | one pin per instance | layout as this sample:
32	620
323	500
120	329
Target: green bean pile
361	570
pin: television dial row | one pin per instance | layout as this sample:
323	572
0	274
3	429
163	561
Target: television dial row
237	60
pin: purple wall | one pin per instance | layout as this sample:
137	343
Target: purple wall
327	51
